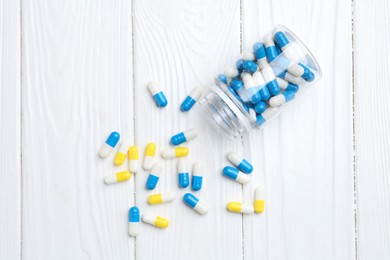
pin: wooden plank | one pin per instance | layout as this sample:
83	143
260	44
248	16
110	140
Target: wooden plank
77	88
10	169
372	128
181	44
304	158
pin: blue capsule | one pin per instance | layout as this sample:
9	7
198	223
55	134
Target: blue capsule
273	87
197	177
264	92
158	96
235	174
260	107
184	177
239	161
193	202
134	214
249	66
184	136
270	48
236	84
109	145
154	176
191	99
307	74
113	139
259	50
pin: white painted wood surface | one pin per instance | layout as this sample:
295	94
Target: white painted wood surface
10	139
372	128
81	73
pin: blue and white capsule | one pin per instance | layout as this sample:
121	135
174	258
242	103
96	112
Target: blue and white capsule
184	136
236	175
247	55
231	72
183	175
281	99
249	66
193	202
270	48
239	162
266	115
134	219
251	89
287	86
191	99
154	176
158	95
197	176
260	83
109	145
290	77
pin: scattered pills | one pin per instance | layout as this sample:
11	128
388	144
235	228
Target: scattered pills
134	219
117	177
239	162
120	156
191	99
236	175
197	176
259	204
154	176
158	95
193	202
160	198
133	159
150	152
184	136
175	152
238	207
109	145
183	175
156	221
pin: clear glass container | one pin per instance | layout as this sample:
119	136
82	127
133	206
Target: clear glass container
225	107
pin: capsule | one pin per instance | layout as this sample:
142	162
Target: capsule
239	64
156	221
259	199
109	145
160	198
264	93
117	177
270	48
154	176
231	72
236	84
133	159
285	85
248	56
280	99
120	156
197	176
134	221
251	88
289	77
266	115
239	207
175	152
249	66
158	95
191	99
193	202
239	161
260	107
184	136
236	175
150	152
184	178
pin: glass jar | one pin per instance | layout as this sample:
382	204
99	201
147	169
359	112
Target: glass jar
233	110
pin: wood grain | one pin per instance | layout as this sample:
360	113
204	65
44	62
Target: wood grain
372	128
181	44
77	88
304	157
10	141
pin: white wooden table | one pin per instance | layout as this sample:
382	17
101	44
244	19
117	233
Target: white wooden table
71	71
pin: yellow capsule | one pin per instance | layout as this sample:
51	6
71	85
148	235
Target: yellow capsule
239	207
175	152
120	156
259	199
259	206
118	177
150	151
133	153
160	198
156	221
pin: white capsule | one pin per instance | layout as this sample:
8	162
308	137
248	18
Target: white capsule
248	55
231	72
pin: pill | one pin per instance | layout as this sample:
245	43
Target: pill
133	159
239	161
251	87
266	115
270	49
236	175
259	199
260	83
285	85
281	98
109	145
289	77
236	84
231	72
121	154
154	176
175	152
117	177
150	152
191	99
160	198
260	54
184	178
184	136
260	107
134	221
249	66
156	221
222	78
158	95
193	202
248	56
239	207
239	64
197	176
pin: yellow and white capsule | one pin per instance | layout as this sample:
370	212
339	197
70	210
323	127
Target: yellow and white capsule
150	152
133	159
160	198
175	152
117	177
239	207
120	156
156	221
259	199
